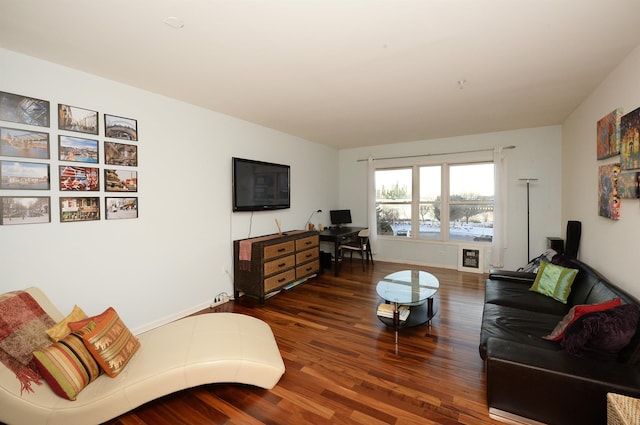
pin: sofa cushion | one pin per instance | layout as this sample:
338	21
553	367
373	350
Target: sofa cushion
554	281
516	325
576	312
61	329
67	366
602	334
108	339
517	294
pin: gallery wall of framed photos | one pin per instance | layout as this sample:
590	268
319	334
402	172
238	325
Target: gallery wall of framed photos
61	153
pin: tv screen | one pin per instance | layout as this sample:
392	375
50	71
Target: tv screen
340	217
259	185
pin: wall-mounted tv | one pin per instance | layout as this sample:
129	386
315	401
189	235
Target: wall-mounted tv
259	186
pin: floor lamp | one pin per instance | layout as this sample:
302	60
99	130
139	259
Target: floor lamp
528	181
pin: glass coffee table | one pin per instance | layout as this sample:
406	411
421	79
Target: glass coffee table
414	289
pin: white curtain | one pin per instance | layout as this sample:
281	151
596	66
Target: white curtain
371	204
499	243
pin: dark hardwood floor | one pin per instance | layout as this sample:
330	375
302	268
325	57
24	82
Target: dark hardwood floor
342	366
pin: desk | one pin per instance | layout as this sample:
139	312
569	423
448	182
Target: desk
337	236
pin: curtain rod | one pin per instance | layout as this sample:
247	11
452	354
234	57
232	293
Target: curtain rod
434	154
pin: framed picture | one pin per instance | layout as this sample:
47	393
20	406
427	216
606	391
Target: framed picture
471	259
120	128
24	175
79	209
77	150
120	180
24	110
629	184
79	178
24	143
25	210
120	154
608	130
120	208
608	199
629	140
80	120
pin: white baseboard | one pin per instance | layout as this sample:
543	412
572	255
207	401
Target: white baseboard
171	318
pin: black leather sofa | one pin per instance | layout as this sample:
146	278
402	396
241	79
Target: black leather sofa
530	377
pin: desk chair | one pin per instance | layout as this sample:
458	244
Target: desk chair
359	244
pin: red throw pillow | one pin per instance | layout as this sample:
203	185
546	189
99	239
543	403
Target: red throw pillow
575	312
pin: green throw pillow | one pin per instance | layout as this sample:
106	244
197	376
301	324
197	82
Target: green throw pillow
554	281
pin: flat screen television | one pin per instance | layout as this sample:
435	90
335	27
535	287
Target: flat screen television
259	186
340	217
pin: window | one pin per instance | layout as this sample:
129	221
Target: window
394	201
471	202
430	202
414	201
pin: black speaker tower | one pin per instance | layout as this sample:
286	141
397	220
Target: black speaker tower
574	231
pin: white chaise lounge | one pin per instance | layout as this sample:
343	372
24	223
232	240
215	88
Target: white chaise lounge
203	349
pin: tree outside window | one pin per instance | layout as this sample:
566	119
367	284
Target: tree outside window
410	202
471	201
393	201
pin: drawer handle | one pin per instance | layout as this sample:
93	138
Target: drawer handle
281	249
309	255
282	264
307	243
282	279
309	269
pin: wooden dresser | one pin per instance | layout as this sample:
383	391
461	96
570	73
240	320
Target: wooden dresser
267	264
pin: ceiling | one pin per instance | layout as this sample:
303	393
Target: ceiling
344	73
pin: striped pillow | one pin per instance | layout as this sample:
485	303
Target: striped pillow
67	366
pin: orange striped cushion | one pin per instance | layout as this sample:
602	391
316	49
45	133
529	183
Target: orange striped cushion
108	339
67	366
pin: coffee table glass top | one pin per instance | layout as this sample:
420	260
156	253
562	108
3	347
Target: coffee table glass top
408	287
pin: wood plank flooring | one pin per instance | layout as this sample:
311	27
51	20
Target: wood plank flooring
342	366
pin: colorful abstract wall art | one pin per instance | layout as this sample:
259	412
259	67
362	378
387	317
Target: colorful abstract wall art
608	130
608	199
628	184
630	140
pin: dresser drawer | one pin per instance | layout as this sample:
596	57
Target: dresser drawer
276	261
308	255
279	280
284	248
307	269
308	242
278	265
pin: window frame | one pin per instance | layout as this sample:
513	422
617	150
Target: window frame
415	202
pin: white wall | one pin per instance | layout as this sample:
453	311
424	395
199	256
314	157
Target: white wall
537	154
170	261
609	246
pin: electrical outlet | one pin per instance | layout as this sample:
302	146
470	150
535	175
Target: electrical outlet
220	299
